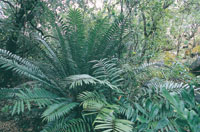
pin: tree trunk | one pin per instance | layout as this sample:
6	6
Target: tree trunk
178	45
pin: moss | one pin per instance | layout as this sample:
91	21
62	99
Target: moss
196	49
169	58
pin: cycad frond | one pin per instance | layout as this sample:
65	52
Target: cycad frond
74	125
111	38
127	110
79	80
8	93
104	39
66	56
39	96
144	67
96	35
23	67
107	70
58	110
158	85
98	106
52	56
110	124
91	96
75	33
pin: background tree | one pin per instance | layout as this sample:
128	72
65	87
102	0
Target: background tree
17	27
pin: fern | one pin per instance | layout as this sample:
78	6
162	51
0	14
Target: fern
144	67
127	110
66	56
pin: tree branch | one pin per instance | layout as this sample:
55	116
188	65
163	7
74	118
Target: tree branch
166	5
144	24
37	28
7	2
50	36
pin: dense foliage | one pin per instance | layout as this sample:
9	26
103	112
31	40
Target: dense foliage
83	68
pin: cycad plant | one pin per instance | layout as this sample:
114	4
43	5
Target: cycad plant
59	84
78	90
60	100
77	45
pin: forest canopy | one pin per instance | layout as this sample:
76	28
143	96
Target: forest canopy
99	65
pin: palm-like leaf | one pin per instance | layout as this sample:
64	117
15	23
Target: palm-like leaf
58	110
107	70
23	67
110	124
66	125
79	80
91	96
158	85
39	96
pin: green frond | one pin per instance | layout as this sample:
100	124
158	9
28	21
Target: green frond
107	70
93	107
128	111
110	124
8	93
52	56
79	80
91	96
75	33
95	103
111	38
158	85
144	67
23	67
73	125
77	126
188	114
66	56
95	36
55	111
104	38
25	98
98	107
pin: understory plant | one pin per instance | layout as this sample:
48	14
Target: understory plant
80	85
60	87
